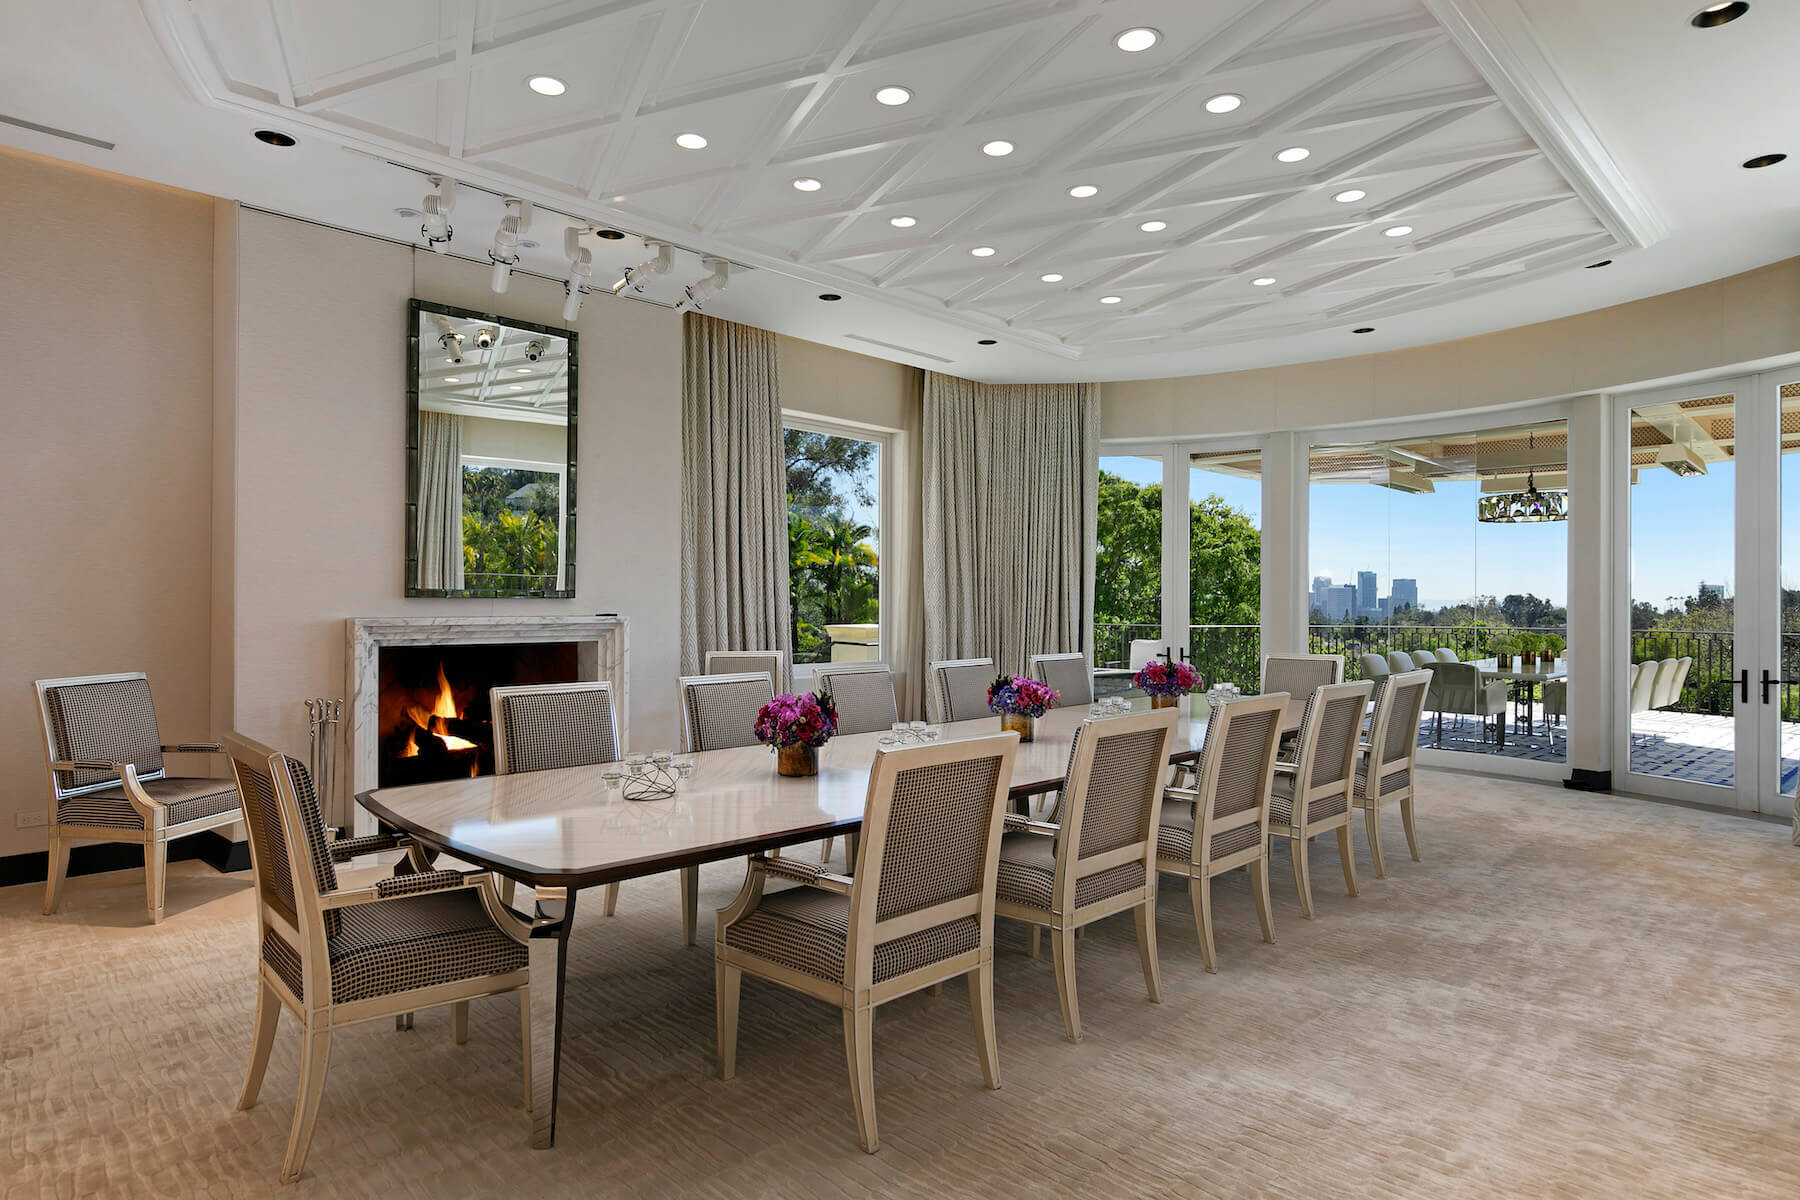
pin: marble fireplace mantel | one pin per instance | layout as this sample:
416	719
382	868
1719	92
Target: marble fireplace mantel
600	642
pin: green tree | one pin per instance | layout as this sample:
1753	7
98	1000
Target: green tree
1224	564
825	474
1128	557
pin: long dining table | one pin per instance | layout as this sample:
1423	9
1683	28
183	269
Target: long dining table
565	829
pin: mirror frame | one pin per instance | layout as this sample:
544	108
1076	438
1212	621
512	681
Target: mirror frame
416	308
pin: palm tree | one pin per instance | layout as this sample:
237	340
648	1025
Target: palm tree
846	567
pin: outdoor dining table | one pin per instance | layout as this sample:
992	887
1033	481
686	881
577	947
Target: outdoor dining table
565	829
1541	671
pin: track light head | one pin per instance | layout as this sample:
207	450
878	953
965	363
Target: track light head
581	273
505	251
436	209
451	344
660	262
697	294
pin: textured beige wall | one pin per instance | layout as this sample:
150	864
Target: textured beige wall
106	420
527	441
1729	321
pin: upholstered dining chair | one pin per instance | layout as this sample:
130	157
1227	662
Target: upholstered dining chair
1311	795
1458	689
1387	769
1399	662
108	782
1424	658
718	712
1643	676
1446	654
1374	666
919	911
864	694
1101	859
1069	674
1299	674
960	687
1142	650
772	663
1662	684
1223	823
337	956
547	726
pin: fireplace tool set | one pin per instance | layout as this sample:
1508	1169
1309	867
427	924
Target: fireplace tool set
323	718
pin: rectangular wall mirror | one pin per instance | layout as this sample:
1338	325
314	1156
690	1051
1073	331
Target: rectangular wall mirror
490	455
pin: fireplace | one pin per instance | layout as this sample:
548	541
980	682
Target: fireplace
433	719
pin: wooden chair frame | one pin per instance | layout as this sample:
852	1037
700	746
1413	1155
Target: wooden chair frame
690	876
157	831
857	993
318	1015
1201	867
1306	765
1372	799
1064	916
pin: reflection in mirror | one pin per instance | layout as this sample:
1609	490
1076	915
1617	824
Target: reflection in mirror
491	456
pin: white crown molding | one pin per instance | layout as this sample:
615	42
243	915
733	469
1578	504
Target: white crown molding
1497	37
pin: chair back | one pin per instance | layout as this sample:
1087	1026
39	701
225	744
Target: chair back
1069	674
1454	686
772	663
960	686
1643	680
1330	735
544	726
1662	685
1399	662
98	718
1237	770
1144	649
1682	667
1299	674
1374	666
1112	799
930	852
1424	658
864	694
290	859
1394	732
719	711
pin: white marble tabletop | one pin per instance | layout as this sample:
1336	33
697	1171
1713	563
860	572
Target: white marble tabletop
564	828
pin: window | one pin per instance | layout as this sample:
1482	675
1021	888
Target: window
1128	560
836	498
1225	565
513	517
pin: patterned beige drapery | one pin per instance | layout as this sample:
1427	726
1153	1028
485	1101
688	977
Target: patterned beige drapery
440	501
1009	518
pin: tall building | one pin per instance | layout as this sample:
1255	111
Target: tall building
1712	589
1367	592
1321	589
1404	595
1340	602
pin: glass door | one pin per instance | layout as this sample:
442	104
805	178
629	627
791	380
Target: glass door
1780	698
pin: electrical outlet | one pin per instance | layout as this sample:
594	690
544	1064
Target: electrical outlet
32	820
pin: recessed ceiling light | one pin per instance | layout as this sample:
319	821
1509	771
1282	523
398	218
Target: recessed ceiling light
1605	262
521	370
274	137
903	222
1154	226
893	95
982	251
1052	277
1111	299
546	85
829	296
1134	41
1364	329
1082	191
1262	281
1396	231
1292	154
515	387
451	379
1224	102
807	184
987	342
690	141
997	149
610	235
1763	160
1718	14
1349	195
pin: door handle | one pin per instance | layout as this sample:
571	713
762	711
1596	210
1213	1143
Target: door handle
1744	686
1768	681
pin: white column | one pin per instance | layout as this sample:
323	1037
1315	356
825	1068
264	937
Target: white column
1175	547
1284	538
1595	491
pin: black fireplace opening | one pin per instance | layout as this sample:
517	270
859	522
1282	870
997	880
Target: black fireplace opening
434	720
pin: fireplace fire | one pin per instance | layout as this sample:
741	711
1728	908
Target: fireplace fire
434	719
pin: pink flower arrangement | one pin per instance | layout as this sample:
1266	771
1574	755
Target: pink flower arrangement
1160	677
790	720
1021	696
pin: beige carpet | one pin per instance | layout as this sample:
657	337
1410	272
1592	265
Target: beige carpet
1570	996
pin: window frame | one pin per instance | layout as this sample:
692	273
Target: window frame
886	440
561	471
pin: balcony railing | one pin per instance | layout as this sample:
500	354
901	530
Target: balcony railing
1221	653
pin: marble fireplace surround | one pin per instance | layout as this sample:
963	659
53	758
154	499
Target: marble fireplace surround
600	647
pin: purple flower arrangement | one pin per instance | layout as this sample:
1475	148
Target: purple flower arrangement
1020	696
790	720
1160	677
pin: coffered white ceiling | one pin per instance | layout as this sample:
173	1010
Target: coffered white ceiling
1486	190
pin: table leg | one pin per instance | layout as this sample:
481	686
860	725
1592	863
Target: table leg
549	972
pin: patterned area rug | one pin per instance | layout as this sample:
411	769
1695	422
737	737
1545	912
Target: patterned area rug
1571	996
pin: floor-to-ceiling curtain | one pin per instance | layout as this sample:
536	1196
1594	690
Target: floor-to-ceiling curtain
1009	519
440	501
734	546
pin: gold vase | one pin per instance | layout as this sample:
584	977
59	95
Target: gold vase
1020	724
1161	701
797	761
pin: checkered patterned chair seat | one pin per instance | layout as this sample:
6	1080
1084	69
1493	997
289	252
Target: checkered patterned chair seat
1028	874
1175	838
393	946
807	930
187	800
1281	803
1393	783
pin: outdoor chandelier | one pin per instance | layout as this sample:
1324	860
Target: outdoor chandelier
1507	508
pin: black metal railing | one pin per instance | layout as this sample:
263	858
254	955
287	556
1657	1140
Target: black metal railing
1221	653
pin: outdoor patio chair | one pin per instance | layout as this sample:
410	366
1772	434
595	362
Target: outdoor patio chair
1457	689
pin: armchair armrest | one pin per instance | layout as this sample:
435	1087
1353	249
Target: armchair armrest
406	885
194	748
810	874
1191	795
1286	768
88	764
345	849
1017	823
